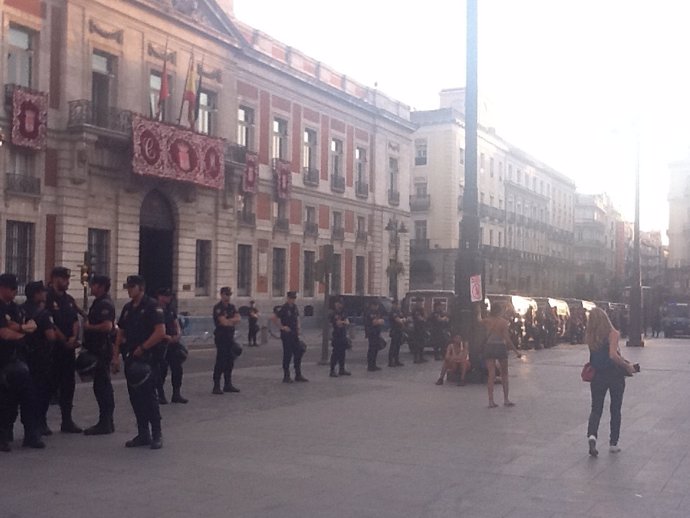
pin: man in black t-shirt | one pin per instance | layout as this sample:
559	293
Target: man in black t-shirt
225	318
253	324
373	323
287	317
339	340
140	329
171	358
397	323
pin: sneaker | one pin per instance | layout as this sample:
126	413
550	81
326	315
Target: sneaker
614	448
593	446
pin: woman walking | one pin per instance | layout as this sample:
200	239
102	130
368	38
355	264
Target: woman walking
610	371
496	348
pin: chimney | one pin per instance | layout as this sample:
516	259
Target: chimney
226	6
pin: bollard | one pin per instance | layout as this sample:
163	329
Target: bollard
263	338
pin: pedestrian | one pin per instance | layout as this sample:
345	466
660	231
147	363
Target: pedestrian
97	340
225	318
439	323
610	371
339	340
16	387
287	317
64	311
456	360
496	349
253	324
140	329
418	339
39	349
397	329
171	358
373	323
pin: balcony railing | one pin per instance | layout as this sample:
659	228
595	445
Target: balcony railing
361	236
311	228
361	189
246	219
487	211
282	225
310	176
22	184
393	197
83	113
338	233
337	183
236	153
419	203
419	244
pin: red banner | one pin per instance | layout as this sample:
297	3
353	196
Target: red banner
29	118
171	152
283	179
251	173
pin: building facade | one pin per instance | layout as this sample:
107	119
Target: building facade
282	155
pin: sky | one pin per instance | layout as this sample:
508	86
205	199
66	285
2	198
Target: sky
580	85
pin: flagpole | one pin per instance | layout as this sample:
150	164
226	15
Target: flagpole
189	70
197	97
164	80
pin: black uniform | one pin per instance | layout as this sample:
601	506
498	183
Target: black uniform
224	337
418	334
373	332
253	326
99	343
440	336
63	309
138	323
172	359
39	352
289	317
338	341
396	334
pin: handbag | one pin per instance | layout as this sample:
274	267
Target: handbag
302	346
235	349
588	372
382	344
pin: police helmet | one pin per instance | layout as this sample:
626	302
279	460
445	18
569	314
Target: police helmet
15	376
86	365
137	373
178	352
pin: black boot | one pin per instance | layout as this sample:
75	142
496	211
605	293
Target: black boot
286	377
299	377
177	397
157	440
44	429
162	400
216	388
104	426
32	439
142	439
343	372
229	387
68	426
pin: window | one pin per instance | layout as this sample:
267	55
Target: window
20	56
336	157
481	198
420	190
99	250
309	149
359	275
245	127
207	109
462	156
247	204
500	203
519	176
481	163
244	270
510	172
491	167
337	219
309	265
310	214
491	200
500	236
19	251
393	171
102	86
155	83
202	277
361	165
361	224
21	162
420	229
420	150
280	138
282	209
491	237
336	277
278	272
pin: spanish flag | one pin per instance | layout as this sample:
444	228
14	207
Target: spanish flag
190	93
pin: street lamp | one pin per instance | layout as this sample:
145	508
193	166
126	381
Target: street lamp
394	269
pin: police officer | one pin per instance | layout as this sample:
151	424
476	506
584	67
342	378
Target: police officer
225	317
339	340
287	317
440	325
171	358
140	329
64	311
418	340
39	348
397	323
97	340
253	324
373	323
16	388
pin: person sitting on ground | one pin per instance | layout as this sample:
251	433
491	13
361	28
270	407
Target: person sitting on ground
456	359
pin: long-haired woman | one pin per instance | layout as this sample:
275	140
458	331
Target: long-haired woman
611	369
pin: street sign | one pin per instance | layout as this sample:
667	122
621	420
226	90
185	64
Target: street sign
476	288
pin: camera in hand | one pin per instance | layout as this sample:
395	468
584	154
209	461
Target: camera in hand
636	367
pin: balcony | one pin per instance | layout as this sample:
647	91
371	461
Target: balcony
83	114
393	197
338	183
246	219
311	228
22	184
487	211
236	153
281	225
338	234
419	244
420	203
361	236
310	176
361	189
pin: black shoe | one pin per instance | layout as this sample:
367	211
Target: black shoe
139	440
33	442
332	374
398	364
343	372
373	368
177	398
157	441
301	378
287	379
230	388
70	427
162	400
217	390
44	430
100	428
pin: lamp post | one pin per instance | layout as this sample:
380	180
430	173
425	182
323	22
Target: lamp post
395	228
635	336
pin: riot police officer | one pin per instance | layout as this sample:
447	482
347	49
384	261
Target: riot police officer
140	330
64	311
97	340
287	317
373	323
418	339
171	358
339	340
225	318
397	326
440	329
39	348
16	388
253	319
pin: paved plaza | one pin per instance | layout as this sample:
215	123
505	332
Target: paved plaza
386	444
